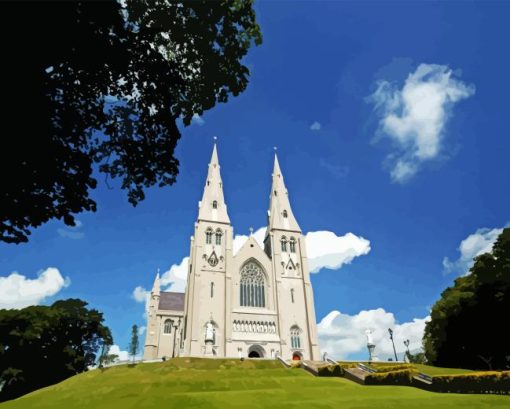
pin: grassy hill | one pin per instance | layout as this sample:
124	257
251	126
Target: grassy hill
199	383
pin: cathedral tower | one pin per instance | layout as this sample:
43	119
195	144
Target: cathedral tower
207	292
284	243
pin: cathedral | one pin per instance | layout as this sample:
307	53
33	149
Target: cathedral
256	303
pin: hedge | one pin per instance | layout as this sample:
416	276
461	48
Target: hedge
330	370
401	377
477	382
391	368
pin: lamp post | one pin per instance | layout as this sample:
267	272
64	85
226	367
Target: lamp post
391	337
175	325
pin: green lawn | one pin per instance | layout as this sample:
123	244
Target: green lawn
433	370
198	383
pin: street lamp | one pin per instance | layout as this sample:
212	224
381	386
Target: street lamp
391	337
175	325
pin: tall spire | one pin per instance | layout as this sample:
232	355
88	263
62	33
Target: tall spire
212	207
280	213
156	285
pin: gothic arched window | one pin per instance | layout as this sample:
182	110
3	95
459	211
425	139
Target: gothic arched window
214	204
168	327
295	337
284	243
252	286
218	237
292	245
285	213
208	236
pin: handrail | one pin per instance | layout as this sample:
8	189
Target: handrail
366	368
283	361
329	360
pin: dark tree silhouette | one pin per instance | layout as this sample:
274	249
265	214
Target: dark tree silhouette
468	324
134	343
42	345
92	83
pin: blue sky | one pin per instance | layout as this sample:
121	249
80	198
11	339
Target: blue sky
391	122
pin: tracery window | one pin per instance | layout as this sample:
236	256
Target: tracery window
214	204
168	327
218	237
295	337
292	245
208	236
252	286
284	244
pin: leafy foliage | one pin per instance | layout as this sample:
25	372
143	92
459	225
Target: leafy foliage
43	345
468	323
417	358
330	370
96	83
399	377
477	382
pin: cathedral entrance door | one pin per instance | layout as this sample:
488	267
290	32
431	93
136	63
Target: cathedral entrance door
256	351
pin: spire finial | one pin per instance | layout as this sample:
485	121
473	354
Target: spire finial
251	231
215	138
275	148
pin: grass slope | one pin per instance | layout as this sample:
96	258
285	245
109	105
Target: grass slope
199	383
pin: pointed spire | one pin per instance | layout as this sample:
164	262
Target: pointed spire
156	285
213	207
280	212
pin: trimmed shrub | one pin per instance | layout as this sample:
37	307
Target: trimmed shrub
330	370
401	377
477	382
391	368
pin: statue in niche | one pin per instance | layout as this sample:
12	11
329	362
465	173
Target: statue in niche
209	332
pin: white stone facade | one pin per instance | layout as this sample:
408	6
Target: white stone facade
255	303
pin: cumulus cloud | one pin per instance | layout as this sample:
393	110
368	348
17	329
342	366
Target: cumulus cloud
18	291
472	246
342	335
122	355
414	117
327	250
316	126
72	232
174	279
140	294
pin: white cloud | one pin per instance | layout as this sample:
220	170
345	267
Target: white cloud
197	119
472	246
140	294
240	239
175	277
327	250
72	232
415	116
18	291
343	335
316	126
122	355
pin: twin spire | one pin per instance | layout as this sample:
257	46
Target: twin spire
212	207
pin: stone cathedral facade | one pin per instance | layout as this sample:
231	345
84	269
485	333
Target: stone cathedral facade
255	303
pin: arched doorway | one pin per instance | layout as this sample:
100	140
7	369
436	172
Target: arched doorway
296	356
256	351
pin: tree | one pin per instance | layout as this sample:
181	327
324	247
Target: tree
469	321
133	345
42	345
101	86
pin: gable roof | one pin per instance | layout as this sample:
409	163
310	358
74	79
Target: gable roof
171	301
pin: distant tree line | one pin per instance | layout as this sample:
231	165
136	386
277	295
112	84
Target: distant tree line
43	345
